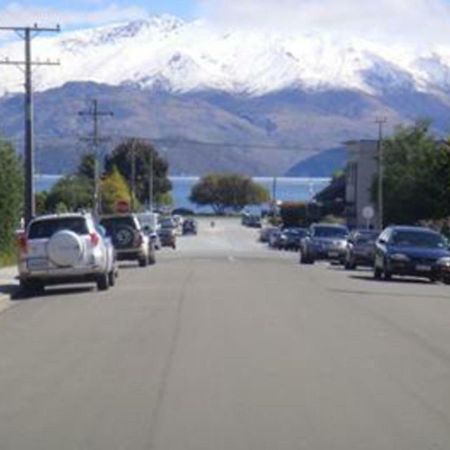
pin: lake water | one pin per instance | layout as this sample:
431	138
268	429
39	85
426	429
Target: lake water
286	189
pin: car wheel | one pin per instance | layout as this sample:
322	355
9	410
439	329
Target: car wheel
143	261
377	272
103	282
446	280
152	259
111	278
303	259
30	288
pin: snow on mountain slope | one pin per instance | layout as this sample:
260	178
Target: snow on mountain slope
167	53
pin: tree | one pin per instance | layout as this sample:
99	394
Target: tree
11	196
41	202
114	188
228	191
416	181
86	167
122	158
74	191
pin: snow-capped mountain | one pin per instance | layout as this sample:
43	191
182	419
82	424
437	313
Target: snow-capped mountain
220	99
168	53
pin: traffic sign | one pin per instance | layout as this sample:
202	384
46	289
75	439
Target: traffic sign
122	207
368	213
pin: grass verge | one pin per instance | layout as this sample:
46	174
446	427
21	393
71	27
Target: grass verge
8	258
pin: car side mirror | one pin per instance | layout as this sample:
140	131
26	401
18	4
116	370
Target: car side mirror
382	241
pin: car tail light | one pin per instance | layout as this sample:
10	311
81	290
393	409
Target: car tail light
94	239
138	241
22	243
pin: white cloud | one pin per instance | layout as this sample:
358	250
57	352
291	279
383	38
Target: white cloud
412	20
16	14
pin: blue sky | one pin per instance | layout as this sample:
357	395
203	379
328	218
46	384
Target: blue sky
390	19
82	13
182	8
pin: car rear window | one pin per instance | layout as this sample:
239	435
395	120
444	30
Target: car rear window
327	232
112	223
366	238
42	229
417	239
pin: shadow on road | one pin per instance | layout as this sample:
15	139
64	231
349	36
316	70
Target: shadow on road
400	280
18	295
8	289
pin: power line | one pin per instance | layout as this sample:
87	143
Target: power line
27	34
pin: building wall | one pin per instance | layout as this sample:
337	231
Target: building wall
361	170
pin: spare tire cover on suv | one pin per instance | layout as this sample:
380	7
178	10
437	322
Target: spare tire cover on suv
123	236
65	248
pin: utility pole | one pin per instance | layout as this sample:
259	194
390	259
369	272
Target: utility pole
381	121
96	140
27	34
150	182
133	174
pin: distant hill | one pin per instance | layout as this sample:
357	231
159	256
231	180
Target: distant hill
325	164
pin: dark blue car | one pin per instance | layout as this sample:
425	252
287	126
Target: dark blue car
410	251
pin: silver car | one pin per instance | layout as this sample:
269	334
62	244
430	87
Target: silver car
66	248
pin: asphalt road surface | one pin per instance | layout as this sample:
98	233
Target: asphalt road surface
226	345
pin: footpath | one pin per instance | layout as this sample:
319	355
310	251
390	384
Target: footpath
8	285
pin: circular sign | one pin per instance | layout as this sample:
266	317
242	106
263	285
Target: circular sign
368	213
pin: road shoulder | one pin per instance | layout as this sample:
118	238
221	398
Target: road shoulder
8	285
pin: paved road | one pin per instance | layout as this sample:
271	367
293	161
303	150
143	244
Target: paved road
225	345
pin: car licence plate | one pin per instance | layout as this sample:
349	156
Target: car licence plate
37	264
423	268
333	254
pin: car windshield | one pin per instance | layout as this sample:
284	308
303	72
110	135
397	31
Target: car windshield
417	239
43	229
330	232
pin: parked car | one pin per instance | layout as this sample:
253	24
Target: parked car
66	248
274	238
254	221
410	251
360	249
128	238
265	232
290	238
251	220
152	234
189	226
168	237
324	242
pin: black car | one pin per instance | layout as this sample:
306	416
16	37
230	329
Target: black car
167	236
324	241
410	251
361	249
189	227
290	238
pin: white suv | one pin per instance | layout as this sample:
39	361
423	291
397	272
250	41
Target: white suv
66	248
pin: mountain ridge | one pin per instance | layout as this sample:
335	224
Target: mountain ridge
182	56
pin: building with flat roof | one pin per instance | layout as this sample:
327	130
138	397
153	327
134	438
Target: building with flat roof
361	171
